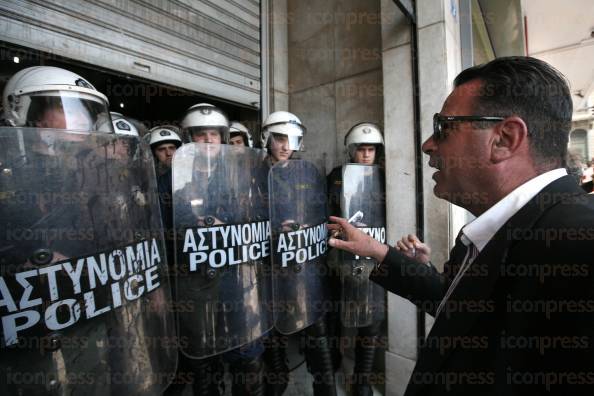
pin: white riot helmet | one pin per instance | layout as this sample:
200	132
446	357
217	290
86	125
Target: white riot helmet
284	123
164	134
51	97
363	133
205	116
122	126
238	129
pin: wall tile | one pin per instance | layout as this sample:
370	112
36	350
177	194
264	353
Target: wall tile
316	108
430	11
311	43
402	327
395	26
357	37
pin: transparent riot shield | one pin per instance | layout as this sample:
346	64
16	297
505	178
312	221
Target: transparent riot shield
299	243
222	247
85	306
363	204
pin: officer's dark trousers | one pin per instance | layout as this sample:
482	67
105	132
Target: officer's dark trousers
319	359
277	373
246	367
204	375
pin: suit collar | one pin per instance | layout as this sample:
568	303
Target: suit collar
475	285
482	229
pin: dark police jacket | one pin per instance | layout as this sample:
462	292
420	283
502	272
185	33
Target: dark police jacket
521	320
334	182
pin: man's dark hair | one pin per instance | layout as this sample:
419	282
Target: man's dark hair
532	90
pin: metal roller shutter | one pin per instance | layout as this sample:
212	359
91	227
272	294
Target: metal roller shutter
212	47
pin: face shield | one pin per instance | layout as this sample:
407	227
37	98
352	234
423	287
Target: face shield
292	143
288	135
70	110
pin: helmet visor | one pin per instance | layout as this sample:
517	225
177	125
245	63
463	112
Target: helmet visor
286	142
76	111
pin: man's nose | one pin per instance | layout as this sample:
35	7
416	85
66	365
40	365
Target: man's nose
429	145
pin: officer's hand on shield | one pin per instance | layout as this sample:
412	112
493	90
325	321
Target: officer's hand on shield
355	241
412	247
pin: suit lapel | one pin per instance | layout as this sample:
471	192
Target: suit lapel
475	285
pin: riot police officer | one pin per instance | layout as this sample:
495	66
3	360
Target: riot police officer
205	123
276	143
213	196
365	184
122	126
240	135
282	135
164	140
122	149
128	148
298	204
201	123
48	98
54	159
51	97
124	189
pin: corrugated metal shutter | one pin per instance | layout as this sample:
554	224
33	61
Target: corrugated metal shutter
212	47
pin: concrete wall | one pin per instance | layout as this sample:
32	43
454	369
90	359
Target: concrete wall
279	55
400	185
350	61
439	62
334	71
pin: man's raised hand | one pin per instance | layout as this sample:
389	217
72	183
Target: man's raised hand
354	241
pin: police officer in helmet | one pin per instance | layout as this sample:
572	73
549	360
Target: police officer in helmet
210	202
296	204
56	153
364	145
51	97
54	99
164	141
239	135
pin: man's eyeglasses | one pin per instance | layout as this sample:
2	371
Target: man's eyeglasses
440	123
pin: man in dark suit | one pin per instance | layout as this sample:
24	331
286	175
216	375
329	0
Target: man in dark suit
514	305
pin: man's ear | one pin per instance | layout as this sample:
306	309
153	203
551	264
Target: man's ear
510	138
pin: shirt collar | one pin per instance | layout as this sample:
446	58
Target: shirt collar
482	229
